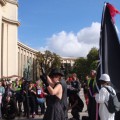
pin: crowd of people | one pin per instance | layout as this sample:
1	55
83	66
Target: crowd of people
52	96
21	96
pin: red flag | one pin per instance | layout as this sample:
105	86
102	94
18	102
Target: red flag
113	11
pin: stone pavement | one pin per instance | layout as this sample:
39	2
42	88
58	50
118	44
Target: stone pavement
40	117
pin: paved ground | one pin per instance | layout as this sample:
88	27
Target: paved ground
39	117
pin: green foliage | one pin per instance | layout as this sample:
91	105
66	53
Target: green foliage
93	66
67	69
50	60
80	67
83	66
56	62
92	55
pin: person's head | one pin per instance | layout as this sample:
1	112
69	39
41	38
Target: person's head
4	83
87	77
74	76
8	98
31	84
70	79
104	79
23	80
38	82
9	84
56	74
17	82
93	73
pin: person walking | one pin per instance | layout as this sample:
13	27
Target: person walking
103	96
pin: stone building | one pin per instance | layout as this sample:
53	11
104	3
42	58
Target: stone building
8	37
14	54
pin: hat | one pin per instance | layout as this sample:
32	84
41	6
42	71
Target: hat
9	82
56	71
94	71
105	77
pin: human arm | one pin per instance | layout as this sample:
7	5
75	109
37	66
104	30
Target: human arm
76	87
33	90
56	90
51	90
50	81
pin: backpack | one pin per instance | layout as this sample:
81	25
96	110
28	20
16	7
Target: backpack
113	103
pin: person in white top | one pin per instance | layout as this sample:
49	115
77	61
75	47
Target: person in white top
103	96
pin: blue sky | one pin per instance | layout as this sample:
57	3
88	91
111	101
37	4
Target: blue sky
69	28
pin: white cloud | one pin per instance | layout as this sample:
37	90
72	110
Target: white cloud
42	49
75	45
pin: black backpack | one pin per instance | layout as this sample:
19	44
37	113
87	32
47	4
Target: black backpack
113	103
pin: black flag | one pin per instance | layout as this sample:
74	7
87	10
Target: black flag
109	46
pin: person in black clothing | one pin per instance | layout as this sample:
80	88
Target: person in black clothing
75	84
85	87
18	96
9	108
76	104
54	109
25	87
32	98
64	98
92	90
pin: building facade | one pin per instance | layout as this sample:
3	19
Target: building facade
14	55
8	37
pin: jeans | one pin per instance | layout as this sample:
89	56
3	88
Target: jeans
41	102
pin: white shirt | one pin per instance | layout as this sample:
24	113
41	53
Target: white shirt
102	98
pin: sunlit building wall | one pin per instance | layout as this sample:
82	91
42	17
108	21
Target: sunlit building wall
14	55
8	37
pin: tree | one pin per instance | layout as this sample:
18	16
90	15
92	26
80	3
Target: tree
92	57
49	59
80	67
94	65
56	61
83	66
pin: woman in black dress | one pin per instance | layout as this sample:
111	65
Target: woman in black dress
54	109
